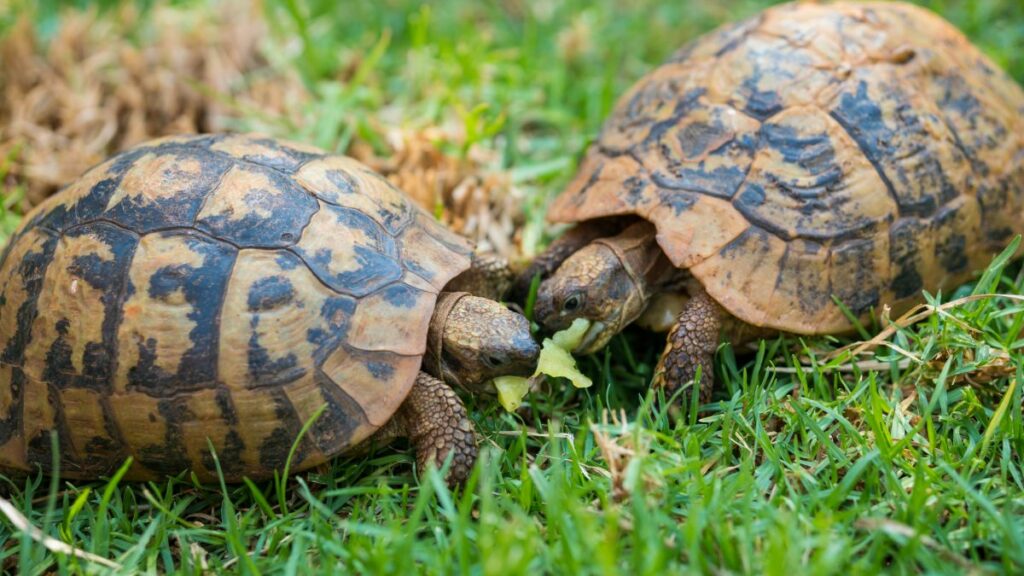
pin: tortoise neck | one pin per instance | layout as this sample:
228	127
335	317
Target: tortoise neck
432	359
641	257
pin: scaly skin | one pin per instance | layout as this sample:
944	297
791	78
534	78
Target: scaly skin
558	251
471	341
435	421
489	277
691	345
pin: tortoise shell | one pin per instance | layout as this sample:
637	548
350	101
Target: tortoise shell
220	288
862	151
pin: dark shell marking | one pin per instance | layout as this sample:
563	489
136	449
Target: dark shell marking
862	151
213	288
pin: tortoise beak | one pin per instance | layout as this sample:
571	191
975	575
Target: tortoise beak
593	339
528	352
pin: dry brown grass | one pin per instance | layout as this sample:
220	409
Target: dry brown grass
108	82
471	197
94	89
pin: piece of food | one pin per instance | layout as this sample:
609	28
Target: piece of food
511	390
557	361
571	337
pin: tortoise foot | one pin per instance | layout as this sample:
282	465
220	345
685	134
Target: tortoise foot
438	426
691	347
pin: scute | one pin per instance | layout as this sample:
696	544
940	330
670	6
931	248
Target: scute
763	74
809	180
214	288
280	155
256	207
709	150
163	188
286	322
379	321
903	135
349	251
857	151
656	100
73	339
346	183
168	333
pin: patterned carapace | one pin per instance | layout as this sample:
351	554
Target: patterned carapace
857	151
214	288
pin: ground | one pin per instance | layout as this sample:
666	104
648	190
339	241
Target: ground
905	460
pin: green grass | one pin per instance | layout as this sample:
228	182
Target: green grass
916	467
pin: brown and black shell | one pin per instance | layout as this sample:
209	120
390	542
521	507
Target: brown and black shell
214	288
864	151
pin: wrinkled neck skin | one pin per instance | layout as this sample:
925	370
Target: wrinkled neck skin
637	251
432	359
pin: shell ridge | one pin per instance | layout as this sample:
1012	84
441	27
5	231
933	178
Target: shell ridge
750	27
184	230
210	193
291	250
14	421
215	346
7	250
69	454
243	160
777	284
122	298
377	350
865	151
320	432
113	429
612	153
289	417
403	226
119	226
14	351
971	160
302	231
455	243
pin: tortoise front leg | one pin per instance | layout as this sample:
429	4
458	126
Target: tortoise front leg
691	344
437	424
566	245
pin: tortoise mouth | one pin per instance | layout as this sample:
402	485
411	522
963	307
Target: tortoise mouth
594	339
451	378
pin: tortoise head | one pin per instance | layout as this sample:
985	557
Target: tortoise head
593	283
479	340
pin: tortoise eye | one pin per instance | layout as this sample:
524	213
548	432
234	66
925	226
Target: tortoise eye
572	302
494	361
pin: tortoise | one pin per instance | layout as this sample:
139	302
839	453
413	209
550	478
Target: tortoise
228	289
859	152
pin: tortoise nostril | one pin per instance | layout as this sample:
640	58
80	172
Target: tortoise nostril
533	351
528	349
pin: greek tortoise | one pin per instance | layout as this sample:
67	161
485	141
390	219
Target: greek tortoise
225	288
861	151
